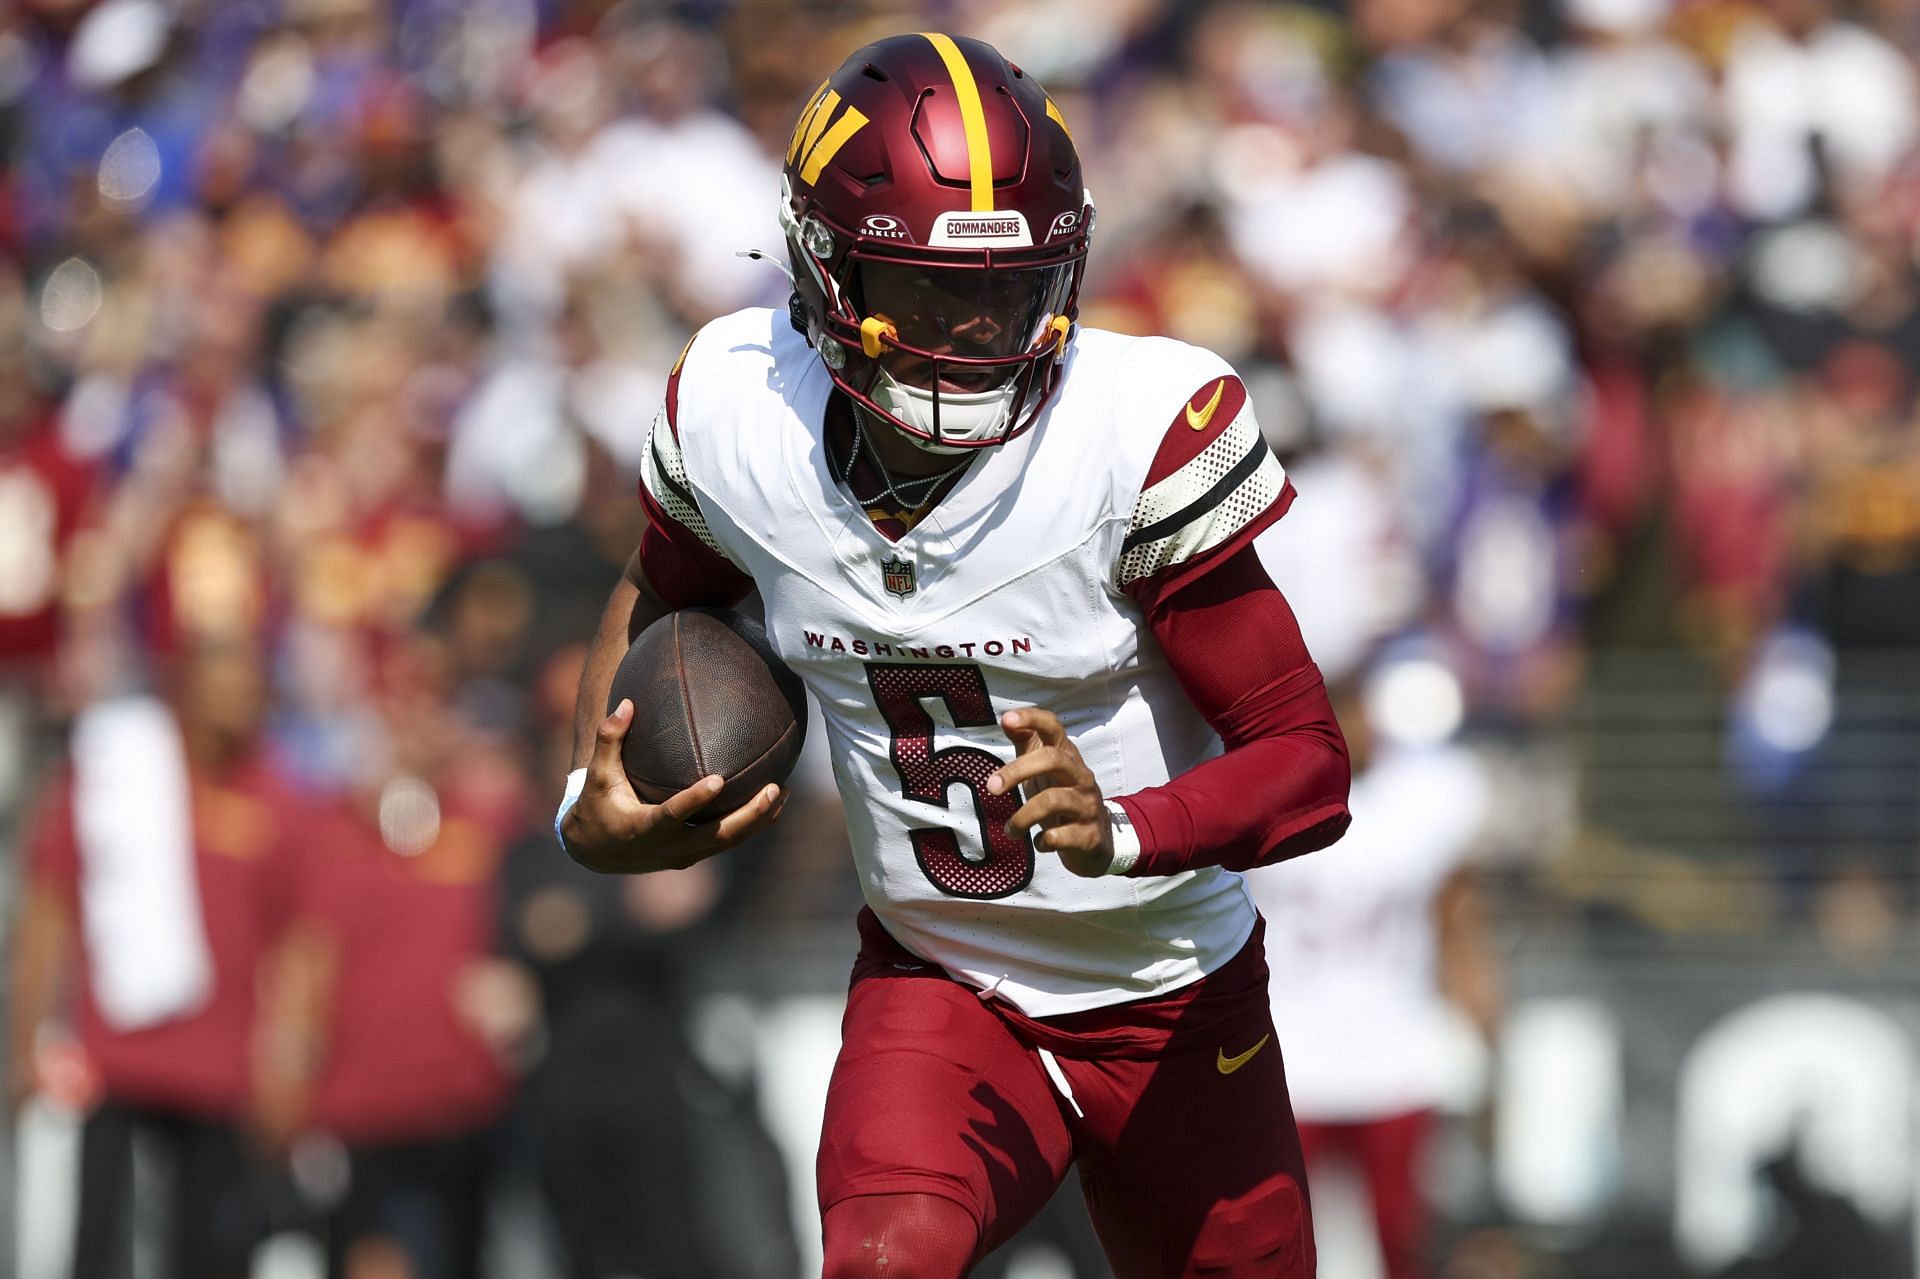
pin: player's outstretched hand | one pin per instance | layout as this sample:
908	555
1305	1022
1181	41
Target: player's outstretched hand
612	830
1064	803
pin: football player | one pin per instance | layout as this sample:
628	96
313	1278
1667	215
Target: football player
1012	561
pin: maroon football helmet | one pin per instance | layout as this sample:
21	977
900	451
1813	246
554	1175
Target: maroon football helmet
937	223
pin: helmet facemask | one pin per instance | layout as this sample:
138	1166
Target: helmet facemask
957	345
957	349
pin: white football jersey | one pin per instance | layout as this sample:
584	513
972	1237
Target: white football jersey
1008	593
1353	945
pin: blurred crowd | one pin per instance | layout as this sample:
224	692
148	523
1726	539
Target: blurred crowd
330	330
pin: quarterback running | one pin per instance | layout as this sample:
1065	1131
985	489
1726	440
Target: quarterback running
1012	560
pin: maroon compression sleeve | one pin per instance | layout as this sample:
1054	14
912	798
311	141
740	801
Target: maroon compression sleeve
1280	789
681	569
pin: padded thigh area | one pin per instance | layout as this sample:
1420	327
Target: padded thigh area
933	1094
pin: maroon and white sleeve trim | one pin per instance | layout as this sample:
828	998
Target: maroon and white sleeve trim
680	558
663	474
1196	500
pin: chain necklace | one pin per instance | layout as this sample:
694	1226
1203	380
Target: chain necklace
895	490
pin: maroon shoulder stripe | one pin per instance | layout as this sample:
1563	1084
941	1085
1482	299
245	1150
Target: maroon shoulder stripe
1197	424
673	389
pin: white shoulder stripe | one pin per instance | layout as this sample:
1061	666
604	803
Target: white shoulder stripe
664	472
1193	481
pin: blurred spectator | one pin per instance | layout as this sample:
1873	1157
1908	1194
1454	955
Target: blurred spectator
158	878
45	494
1630	104
113	122
396	1032
1473	94
1368	945
1797	77
652	1161
1343	558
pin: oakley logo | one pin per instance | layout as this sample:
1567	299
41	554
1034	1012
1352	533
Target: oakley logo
1064	223
883	226
814	143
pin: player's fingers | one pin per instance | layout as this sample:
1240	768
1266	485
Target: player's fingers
1024	739
604	768
1090	857
1053	807
1072	837
751	817
1031	721
681	845
681	806
1053	765
1024	768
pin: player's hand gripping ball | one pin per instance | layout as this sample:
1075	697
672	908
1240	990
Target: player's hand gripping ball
710	698
1063	800
704	723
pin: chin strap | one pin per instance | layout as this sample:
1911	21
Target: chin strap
872	330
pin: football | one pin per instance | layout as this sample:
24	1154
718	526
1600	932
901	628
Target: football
709	696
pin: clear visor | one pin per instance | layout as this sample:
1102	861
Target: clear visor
963	314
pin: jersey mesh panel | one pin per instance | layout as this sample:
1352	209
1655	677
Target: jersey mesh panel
665	474
1209	528
1191	482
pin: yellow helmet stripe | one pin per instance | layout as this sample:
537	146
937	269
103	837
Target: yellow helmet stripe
814	104
816	121
851	121
973	119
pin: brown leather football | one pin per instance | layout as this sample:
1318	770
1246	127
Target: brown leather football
709	696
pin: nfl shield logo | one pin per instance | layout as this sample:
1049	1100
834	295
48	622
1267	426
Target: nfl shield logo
897	575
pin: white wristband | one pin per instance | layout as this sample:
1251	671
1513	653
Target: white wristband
1126	841
576	783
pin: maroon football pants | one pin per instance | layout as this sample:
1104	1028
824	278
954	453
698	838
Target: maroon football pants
1188	1157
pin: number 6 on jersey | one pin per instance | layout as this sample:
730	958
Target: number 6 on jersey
1004	863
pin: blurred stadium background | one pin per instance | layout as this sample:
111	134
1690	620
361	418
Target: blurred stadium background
1588	329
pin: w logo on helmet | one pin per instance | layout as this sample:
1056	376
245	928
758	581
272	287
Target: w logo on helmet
814	140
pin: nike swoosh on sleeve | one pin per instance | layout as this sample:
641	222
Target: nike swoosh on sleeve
1198	421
